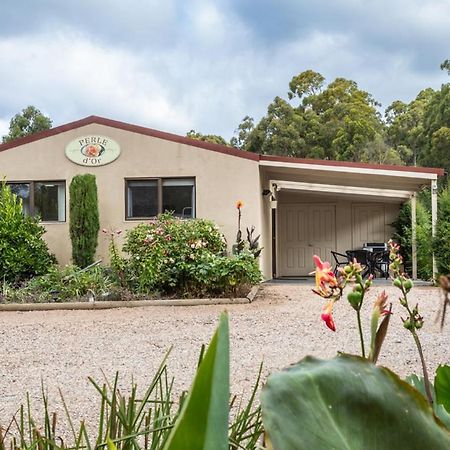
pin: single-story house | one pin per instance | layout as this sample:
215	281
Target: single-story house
300	207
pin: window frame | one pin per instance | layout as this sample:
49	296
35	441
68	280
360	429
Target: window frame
159	181
32	183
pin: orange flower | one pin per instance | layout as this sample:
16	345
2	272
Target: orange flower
325	278
326	286
327	315
239	204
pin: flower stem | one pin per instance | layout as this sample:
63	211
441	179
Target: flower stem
361	336
426	379
424	368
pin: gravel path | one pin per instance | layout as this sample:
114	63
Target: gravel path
283	325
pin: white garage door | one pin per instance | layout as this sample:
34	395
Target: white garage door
304	230
368	224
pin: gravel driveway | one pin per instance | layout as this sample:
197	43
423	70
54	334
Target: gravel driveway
281	326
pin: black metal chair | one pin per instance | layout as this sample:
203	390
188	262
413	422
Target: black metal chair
380	264
340	259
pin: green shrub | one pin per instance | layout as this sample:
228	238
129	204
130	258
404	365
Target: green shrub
219	275
84	219
441	242
403	236
23	251
184	257
62	285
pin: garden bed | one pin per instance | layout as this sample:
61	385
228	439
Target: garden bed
86	305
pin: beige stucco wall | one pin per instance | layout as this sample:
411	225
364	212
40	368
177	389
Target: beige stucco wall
221	180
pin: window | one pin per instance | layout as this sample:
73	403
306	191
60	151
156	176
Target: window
22	190
46	199
142	198
148	198
178	197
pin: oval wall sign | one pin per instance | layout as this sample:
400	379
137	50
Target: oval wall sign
92	150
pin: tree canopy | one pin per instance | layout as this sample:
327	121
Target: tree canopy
29	121
335	121
340	121
214	138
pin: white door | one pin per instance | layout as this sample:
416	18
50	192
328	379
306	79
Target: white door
304	230
322	231
368	224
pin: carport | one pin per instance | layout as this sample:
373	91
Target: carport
316	207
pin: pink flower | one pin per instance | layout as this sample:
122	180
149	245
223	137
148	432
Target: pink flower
327	286
325	278
327	315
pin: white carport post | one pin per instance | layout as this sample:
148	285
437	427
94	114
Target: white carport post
434	207
414	236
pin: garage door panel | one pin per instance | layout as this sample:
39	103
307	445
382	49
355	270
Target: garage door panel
310	229
329	231
302	221
295	258
368	224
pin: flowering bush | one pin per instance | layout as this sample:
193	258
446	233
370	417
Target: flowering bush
184	257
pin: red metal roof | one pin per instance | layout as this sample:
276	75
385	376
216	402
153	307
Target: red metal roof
205	145
326	162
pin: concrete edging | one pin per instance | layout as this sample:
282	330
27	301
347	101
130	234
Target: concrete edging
129	304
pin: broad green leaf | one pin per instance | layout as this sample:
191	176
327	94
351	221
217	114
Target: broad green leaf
439	411
347	403
418	383
203	420
442	386
442	414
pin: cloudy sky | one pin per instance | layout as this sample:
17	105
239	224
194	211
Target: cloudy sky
177	65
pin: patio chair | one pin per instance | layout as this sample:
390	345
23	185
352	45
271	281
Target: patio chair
340	259
380	264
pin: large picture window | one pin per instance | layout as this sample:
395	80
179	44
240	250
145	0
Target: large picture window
46	199
150	197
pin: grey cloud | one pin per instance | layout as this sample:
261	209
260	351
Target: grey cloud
205	65
142	24
417	28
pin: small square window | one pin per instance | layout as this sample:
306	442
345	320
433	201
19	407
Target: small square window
178	197
22	190
142	199
46	199
50	201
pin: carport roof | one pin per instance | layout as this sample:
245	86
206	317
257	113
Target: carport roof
277	161
347	177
